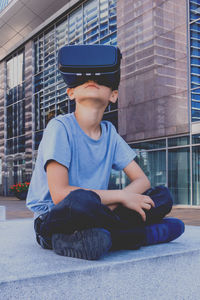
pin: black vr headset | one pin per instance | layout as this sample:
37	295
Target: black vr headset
81	63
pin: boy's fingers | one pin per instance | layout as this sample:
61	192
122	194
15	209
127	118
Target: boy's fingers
147	206
150	201
143	215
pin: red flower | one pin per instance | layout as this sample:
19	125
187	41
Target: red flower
20	187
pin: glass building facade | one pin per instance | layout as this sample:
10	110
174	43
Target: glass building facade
15	117
172	161
15	104
194	19
3	4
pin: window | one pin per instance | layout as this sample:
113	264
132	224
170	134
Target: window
3	4
178	141
179	175
153	163
15	104
196	174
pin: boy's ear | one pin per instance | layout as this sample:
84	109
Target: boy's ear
113	96
70	93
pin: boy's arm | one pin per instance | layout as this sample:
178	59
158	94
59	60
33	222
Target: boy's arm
58	182
139	184
130	196
139	181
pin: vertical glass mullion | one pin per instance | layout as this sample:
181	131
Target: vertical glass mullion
42	93
191	170
99	21
196	174
82	12
55	72
167	169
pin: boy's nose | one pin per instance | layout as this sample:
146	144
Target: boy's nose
91	80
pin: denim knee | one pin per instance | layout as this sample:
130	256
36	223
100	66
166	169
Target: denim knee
83	200
161	197
167	198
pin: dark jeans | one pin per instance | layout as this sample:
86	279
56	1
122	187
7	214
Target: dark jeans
82	209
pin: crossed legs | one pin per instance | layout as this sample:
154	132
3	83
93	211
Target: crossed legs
82	210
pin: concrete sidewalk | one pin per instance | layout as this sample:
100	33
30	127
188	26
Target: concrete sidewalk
15	208
29	272
160	272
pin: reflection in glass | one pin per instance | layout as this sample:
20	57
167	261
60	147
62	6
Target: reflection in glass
196	175
15	145
37	139
156	144
10	83
195	58
179	175
9	146
194	10
196	139
75	27
15	71
9	122
114	182
21	144
21	117
15	119
15	110
112	117
62	108
195	115
153	163
90	22
179	141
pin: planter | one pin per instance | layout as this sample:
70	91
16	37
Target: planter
21	195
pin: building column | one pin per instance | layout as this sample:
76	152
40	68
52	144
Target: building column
152	36
2	129
28	108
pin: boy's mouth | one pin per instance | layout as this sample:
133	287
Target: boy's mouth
92	85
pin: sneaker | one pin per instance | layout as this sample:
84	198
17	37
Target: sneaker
167	230
87	244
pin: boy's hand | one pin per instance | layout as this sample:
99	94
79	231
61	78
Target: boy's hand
137	202
112	206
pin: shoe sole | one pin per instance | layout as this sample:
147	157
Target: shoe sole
88	244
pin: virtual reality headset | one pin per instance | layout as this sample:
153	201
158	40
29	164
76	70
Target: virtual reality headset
81	63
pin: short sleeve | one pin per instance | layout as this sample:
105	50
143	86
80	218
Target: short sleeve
123	155
55	144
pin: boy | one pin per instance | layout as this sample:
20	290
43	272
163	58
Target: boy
75	214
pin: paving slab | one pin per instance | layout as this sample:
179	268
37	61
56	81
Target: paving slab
15	208
165	271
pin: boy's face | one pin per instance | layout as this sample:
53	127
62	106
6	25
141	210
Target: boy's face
91	90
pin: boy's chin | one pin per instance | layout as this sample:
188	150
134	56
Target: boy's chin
93	100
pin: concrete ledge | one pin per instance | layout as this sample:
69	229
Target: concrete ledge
168	271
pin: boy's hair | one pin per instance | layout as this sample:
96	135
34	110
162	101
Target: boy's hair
81	63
